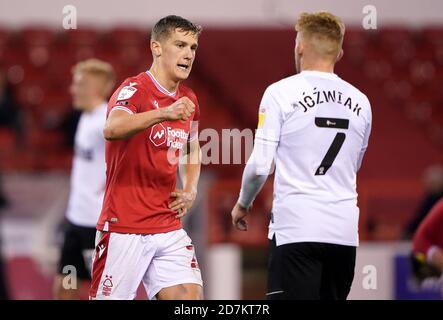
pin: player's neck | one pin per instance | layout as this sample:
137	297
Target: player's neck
317	65
163	79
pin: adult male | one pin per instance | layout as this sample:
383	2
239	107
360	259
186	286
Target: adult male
152	117
317	127
93	81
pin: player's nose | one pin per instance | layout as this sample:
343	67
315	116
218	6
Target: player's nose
189	55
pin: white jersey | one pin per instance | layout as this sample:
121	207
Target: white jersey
88	170
320	125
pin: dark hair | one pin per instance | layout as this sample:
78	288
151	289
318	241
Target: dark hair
166	25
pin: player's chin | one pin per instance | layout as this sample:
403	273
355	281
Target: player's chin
182	74
77	104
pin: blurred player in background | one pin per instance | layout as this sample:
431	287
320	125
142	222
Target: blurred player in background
433	185
317	128
93	81
427	255
152	121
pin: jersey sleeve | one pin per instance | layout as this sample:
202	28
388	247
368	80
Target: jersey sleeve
127	98
270	119
365	139
193	130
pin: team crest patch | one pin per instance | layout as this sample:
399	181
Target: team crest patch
126	92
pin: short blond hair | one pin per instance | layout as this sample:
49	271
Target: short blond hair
323	27
97	68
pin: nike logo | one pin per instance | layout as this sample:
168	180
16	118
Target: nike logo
101	249
330	123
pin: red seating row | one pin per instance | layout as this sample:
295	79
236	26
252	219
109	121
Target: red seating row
405	67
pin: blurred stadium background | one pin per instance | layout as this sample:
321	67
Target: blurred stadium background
246	45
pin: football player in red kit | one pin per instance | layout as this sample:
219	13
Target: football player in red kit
152	122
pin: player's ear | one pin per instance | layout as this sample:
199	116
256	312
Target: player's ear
299	46
340	55
156	48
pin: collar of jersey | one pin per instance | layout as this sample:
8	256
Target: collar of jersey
320	74
159	86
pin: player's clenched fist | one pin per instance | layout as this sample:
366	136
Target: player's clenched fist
179	110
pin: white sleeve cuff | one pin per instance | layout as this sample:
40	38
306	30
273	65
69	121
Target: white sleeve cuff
122	108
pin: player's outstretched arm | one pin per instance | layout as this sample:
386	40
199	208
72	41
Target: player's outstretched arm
122	125
254	177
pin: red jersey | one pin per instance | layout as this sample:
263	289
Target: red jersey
141	170
430	230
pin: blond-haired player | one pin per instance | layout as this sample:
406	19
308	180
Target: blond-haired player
315	126
92	82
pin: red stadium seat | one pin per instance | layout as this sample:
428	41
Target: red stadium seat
84	36
433	34
4	36
37	35
129	35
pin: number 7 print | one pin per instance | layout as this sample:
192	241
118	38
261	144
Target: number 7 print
336	145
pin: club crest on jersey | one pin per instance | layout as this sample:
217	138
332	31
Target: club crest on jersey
126	92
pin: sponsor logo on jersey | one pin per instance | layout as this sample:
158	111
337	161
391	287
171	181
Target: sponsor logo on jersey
84	153
173	138
158	135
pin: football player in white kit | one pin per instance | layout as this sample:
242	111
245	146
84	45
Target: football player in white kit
315	127
93	81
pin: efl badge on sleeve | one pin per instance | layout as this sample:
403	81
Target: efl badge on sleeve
261	118
126	92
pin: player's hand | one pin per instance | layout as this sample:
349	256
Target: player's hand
179	110
183	201
238	214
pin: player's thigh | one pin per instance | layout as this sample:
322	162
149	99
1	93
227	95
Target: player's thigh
87	238
120	262
294	271
174	269
338	272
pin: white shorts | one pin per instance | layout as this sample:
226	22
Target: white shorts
122	261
